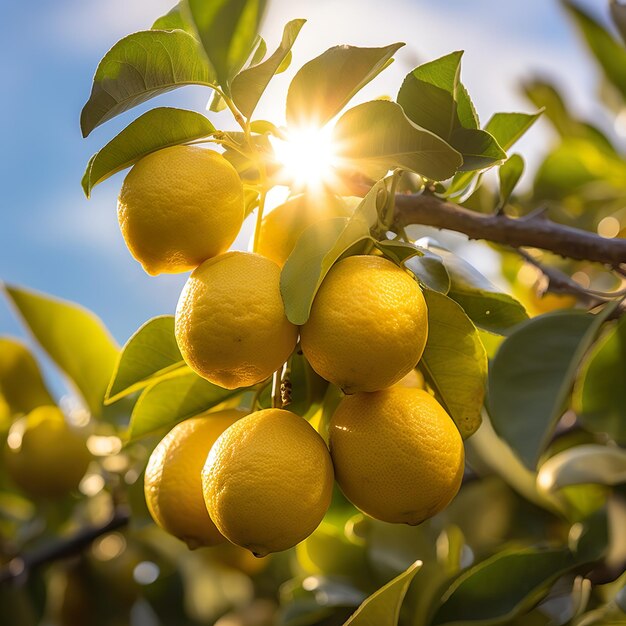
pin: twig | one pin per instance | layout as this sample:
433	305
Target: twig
535	231
20	567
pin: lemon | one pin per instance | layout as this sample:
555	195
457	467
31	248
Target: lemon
172	484
282	227
44	456
368	325
231	326
268	481
180	206
398	455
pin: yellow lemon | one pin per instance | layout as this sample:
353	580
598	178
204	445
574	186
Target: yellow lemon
172	484
268	481
282	227
44	455
398	455
368	325
180	206
231	325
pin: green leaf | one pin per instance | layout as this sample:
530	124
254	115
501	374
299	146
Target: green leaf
480	150
582	465
156	129
317	249
259	52
166	402
379	133
399	251
507	128
74	338
502	586
430	271
509	174
428	95
600	393
139	67
228	31
455	362
609	53
248	86
532	375
21	383
173	20
151	353
324	85
487	306
382	608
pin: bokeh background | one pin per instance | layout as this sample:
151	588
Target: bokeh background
55	240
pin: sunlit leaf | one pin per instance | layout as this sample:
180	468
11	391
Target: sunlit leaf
502	586
155	129
382	608
428	95
455	362
248	86
532	375
165	403
379	133
600	393
507	128
324	85
509	174
317	249
139	67
430	271
174	19
21	383
228	31
585	464
151	353
432	97
74	338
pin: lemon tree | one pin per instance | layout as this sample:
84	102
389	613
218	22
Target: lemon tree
401	439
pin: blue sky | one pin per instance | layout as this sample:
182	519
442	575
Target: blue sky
54	240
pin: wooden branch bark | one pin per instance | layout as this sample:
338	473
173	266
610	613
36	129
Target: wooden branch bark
533	231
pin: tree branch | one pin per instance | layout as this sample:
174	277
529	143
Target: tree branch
535	230
20	566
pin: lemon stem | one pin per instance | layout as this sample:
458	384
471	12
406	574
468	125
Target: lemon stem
277	400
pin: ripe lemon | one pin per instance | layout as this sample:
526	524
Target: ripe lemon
268	481
368	325
398	455
44	455
231	325
282	227
172	484
178	207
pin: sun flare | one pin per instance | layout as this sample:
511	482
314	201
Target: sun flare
308	157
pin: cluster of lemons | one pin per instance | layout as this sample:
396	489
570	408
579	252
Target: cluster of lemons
264	480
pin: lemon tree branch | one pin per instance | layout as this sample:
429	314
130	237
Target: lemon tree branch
534	230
